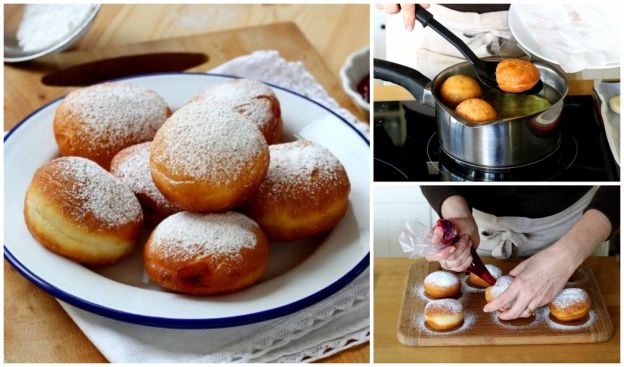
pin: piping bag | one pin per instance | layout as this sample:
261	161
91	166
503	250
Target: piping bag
415	241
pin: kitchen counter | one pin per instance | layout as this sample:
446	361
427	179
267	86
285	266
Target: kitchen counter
389	284
36	327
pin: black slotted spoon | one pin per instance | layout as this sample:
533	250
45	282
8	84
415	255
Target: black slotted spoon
486	70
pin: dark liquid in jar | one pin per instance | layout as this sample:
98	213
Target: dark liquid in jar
363	88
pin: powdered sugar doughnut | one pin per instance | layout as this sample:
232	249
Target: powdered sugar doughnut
75	208
571	304
98	121
304	193
207	158
205	254
501	285
441	284
252	99
444	314
494	271
131	166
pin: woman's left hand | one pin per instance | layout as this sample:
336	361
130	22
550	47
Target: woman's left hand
538	280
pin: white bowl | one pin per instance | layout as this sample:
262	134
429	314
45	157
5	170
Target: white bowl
355	68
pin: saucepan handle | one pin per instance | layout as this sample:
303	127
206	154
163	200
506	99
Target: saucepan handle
408	78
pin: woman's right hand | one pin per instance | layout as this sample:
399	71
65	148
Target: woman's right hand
456	257
409	12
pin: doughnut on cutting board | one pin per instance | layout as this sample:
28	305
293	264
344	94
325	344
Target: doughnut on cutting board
480	328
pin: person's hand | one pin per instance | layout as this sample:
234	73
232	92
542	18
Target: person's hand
408	10
540	278
456	257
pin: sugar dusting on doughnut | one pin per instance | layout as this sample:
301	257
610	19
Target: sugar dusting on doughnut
297	167
469	321
544	314
186	235
133	169
220	147
501	285
114	112
442	279
447	304
571	296
250	98
494	270
96	192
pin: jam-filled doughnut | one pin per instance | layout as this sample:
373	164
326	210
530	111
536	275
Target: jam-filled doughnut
98	121
444	314
305	192
131	166
499	287
571	304
494	271
208	158
441	284
252	99
75	208
206	254
516	76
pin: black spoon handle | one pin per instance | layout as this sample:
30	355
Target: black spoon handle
426	19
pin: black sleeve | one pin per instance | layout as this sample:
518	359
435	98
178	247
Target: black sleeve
436	195
607	201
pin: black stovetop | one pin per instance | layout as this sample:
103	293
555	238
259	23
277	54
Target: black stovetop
406	148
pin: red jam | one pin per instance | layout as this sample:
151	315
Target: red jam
363	88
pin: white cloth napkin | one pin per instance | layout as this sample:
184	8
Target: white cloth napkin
325	328
577	35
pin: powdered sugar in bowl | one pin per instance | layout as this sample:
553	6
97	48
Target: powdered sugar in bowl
35	30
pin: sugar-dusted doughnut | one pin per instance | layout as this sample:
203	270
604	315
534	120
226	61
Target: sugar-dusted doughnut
98	121
131	166
251	98
208	158
206	254
444	314
305	192
441	284
571	304
499	287
75	208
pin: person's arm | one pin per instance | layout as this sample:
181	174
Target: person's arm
541	277
607	201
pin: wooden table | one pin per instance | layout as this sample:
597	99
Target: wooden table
389	283
36	328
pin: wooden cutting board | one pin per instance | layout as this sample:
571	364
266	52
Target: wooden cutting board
24	91
485	329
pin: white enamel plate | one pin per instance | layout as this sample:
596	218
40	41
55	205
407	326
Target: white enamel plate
299	274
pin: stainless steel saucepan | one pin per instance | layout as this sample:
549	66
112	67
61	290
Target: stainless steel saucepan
527	128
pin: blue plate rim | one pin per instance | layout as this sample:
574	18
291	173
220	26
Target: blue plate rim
174	323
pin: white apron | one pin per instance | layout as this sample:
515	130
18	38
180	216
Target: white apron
424	50
502	237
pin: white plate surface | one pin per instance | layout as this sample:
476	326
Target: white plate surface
299	274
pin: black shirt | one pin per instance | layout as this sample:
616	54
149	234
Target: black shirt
528	201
